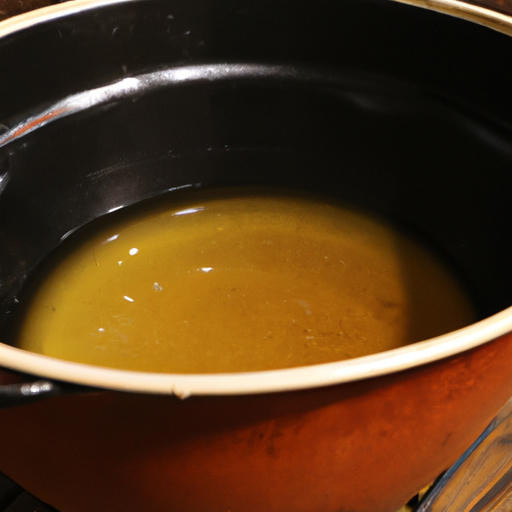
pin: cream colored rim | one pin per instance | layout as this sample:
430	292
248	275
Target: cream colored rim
481	15
183	386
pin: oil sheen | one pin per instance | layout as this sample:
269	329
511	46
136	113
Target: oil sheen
236	281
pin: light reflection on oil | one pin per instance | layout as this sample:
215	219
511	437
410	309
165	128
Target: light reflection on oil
246	281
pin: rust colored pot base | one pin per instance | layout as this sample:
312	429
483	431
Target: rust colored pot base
321	450
355	99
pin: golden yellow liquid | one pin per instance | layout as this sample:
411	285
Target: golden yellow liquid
238	281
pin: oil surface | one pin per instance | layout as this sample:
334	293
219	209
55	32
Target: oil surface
237	281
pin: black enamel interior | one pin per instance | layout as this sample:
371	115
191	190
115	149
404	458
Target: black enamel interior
396	109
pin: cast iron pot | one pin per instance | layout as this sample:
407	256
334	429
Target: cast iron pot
399	110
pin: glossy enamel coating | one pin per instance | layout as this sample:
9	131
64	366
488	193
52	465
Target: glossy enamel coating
399	110
366	446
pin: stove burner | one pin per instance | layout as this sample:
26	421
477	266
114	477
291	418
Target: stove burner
13	498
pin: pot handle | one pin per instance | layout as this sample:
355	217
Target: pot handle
28	392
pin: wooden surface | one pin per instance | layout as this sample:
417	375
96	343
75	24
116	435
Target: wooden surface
10	8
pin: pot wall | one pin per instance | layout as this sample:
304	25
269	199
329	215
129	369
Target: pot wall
405	125
363	447
354	99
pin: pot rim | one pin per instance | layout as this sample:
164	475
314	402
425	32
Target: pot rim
184	385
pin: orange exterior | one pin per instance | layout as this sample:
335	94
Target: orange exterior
366	446
361	447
